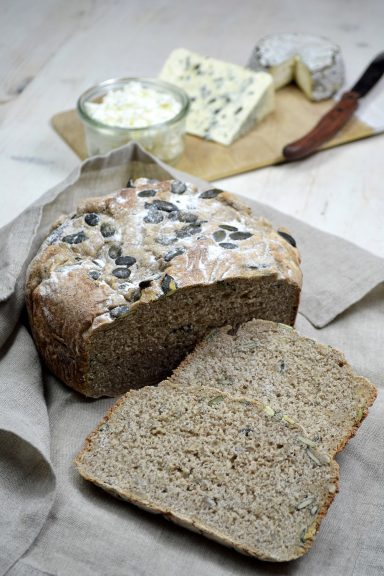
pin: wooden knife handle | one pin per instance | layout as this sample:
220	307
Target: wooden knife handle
327	127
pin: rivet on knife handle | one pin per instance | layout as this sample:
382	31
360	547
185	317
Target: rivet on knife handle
327	127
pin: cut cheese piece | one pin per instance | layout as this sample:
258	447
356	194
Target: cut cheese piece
226	100
313	62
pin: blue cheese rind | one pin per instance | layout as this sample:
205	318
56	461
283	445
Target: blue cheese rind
226	100
313	62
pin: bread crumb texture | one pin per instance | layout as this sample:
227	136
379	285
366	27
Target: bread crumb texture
239	443
220	465
294	375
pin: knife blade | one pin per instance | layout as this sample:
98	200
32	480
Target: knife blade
338	115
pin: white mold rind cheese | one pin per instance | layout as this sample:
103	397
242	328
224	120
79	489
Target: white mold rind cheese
313	62
227	100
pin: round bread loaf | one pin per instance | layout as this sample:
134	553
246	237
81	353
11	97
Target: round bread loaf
123	288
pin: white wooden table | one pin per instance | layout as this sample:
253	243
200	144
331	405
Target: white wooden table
52	50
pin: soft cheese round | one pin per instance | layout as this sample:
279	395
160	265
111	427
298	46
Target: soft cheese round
314	62
119	252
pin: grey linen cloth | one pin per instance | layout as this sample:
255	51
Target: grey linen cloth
53	522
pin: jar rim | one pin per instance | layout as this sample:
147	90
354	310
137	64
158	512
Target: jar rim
115	83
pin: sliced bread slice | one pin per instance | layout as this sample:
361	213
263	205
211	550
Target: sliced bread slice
310	382
221	466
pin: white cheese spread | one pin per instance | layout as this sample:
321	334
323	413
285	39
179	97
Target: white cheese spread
137	110
134	106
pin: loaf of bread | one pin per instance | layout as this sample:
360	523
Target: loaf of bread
125	286
219	465
297	377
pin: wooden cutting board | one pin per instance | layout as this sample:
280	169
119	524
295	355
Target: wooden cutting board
293	117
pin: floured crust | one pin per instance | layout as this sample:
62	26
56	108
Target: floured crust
75	288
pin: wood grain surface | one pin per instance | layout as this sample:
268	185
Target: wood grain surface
54	50
294	116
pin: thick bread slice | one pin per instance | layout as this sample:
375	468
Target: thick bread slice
221	466
294	375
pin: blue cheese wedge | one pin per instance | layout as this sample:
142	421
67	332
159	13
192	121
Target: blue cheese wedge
226	100
313	62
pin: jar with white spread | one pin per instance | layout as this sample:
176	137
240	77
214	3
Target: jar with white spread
150	112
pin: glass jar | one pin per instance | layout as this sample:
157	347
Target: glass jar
165	139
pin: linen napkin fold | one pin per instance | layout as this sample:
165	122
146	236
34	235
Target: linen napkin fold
336	275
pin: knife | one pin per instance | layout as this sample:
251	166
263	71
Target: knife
338	116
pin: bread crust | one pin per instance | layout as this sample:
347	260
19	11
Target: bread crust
370	398
67	307
219	537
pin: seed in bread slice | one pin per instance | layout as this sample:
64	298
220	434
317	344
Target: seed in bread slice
218	465
294	375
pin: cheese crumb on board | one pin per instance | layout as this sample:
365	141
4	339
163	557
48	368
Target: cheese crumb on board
313	62
227	100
